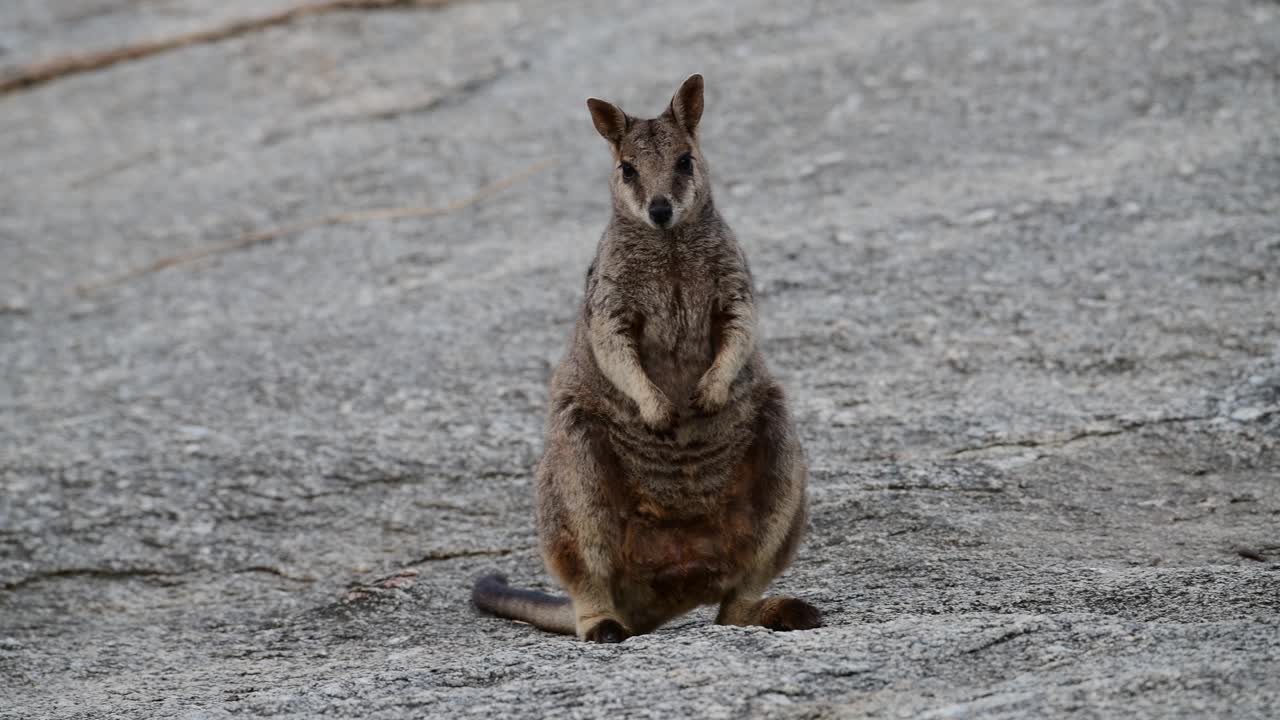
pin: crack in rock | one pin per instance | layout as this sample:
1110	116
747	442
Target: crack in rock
275	571
439	555
46	71
1012	633
1059	441
105	573
449	97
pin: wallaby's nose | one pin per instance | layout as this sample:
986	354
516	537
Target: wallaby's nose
660	211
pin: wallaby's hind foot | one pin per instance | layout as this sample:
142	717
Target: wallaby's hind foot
776	613
788	613
607	631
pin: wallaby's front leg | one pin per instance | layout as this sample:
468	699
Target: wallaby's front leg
735	321
614	346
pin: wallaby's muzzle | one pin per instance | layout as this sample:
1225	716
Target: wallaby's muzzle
660	211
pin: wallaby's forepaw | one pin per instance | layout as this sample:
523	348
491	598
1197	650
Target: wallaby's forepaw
659	416
607	631
710	396
788	613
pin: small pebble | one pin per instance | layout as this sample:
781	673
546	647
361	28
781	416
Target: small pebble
981	217
1248	414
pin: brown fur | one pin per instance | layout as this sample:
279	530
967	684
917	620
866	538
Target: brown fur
672	476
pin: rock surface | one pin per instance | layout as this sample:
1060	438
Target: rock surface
1018	266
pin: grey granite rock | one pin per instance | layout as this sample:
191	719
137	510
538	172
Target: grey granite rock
1018	267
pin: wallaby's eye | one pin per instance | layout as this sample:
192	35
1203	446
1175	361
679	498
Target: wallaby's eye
684	165
628	172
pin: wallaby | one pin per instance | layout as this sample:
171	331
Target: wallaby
672	475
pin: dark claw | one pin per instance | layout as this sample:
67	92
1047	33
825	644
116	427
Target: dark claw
695	404
699	407
607	631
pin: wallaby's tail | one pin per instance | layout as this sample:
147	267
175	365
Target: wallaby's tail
492	593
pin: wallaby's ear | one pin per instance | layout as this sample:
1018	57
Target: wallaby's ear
686	105
609	120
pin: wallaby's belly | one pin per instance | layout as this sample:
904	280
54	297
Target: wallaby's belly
683	547
679	565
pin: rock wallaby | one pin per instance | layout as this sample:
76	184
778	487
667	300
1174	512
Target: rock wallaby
673	476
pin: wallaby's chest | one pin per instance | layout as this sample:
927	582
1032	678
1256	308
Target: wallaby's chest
678	316
674	339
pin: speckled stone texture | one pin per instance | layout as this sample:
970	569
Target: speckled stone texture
1018	267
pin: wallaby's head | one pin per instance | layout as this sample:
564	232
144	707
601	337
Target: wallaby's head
659	177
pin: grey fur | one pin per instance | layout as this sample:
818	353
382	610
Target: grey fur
672	475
